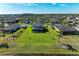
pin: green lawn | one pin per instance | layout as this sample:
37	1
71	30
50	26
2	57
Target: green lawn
48	42
37	42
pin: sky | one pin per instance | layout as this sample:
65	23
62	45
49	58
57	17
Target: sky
39	8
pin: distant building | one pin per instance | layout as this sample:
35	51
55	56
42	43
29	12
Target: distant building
5	25
25	21
77	18
12	21
70	17
23	26
56	22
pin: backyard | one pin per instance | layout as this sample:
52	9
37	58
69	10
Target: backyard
40	43
30	42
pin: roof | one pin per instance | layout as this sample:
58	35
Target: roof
12	20
37	29
37	25
23	25
25	21
12	26
62	27
5	25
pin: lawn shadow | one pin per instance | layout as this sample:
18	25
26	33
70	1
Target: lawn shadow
40	31
69	47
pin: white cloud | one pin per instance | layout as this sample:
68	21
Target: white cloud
53	3
29	4
62	4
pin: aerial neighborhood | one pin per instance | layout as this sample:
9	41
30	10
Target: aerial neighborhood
31	32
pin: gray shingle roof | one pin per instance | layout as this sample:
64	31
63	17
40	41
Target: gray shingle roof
62	27
37	25
12	27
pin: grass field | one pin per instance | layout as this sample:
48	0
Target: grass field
37	42
47	43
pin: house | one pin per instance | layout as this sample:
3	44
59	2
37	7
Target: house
70	17
11	28
56	22
76	27
25	21
37	27
65	29
77	18
12	21
5	25
23	26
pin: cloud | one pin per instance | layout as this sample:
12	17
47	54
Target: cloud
29	4
53	3
62	5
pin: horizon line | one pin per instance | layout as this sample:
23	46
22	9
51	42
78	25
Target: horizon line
39	13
